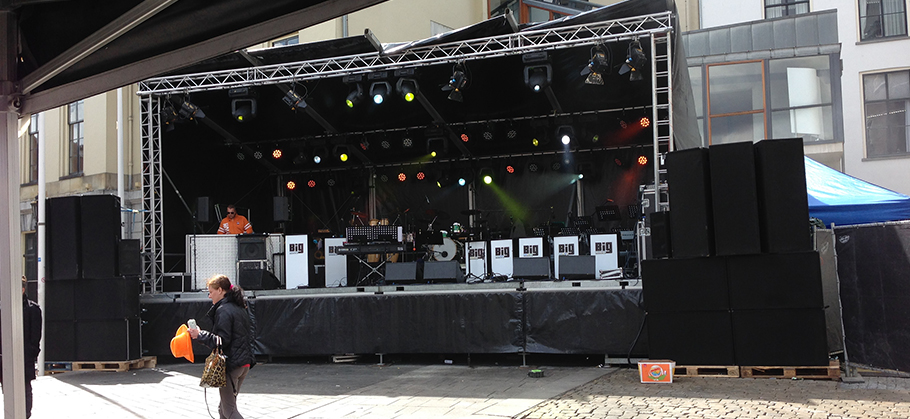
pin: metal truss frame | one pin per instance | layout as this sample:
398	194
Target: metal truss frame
152	189
404	57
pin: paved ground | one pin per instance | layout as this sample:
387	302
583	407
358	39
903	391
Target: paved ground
456	391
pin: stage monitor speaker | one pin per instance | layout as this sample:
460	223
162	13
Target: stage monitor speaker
735	199
577	267
108	340
63	238
771	281
107	298
251	247
786	337
696	284
691	338
177	283
401	273
59	340
445	271
280	209
130	257
59	304
100	230
203	210
258	279
783	202
691	225
660	235
531	268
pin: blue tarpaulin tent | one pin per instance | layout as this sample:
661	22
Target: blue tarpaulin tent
835	197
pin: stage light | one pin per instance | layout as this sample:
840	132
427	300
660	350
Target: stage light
355	96
276	153
407	88
636	60
623	124
462	181
595	138
510	169
241	156
486	174
618	161
407	142
436	146
300	160
535	142
319	155
384	177
432	154
533	167
243	103
421	176
330	182
257	155
340	152
538	77
385	144
511	133
465	138
291	185
378	91
456	83
488	131
190	111
343	157
581	175
556	165
317	159
292	99
642	160
644	122
444	180
402	177
364	144
597	66
168	116
311	183
565	133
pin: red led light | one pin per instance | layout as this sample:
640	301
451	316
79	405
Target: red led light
421	176
402	177
464	137
642	160
645	122
311	183
510	169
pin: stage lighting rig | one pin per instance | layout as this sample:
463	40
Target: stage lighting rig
538	77
169	116
407	88
636	60
597	66
379	90
293	100
486	174
565	133
243	103
457	82
190	111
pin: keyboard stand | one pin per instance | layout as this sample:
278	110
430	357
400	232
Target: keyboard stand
374	270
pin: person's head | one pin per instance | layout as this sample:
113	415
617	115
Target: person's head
231	211
24	284
220	287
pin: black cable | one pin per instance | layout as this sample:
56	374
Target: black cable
642	327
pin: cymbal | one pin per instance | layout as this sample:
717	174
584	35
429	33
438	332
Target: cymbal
471	212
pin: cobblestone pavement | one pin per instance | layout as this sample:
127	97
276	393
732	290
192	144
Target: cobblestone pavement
619	394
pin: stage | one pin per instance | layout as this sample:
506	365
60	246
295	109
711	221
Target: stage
548	317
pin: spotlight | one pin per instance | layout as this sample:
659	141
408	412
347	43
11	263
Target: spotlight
456	83
511	133
402	177
276	153
597	66
291	185
623	124
565	133
642	160
436	146
644	122
330	182
378	91
486	174
510	169
319	155
535	142
293	100
355	96
444	180
190	111
533	167
465	138
488	131
407	88
168	116
257	155
407	142
595	138
243	104
538	77
384	177
421	176
241	156
317	159
635	61
340	152
385	144
311	183
462	181
343	157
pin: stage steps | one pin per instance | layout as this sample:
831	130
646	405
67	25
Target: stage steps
830	372
113	366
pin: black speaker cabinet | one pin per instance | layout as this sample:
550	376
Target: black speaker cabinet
531	268
401	273
59	304
783	202
108	340
203	210
177	283
251	247
107	298
100	222
63	238
691	225
734	199
130	257
59	340
691	338
280	209
444	271
696	284
785	337
258	279
766	281
660	234
577	267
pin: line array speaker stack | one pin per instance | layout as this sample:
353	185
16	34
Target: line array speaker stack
749	293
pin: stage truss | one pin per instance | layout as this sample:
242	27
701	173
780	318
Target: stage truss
656	27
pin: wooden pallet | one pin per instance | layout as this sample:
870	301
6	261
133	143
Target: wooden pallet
706	371
115	366
831	372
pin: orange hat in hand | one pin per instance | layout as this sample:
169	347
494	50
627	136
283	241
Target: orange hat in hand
182	344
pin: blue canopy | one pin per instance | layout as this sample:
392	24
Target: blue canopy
838	198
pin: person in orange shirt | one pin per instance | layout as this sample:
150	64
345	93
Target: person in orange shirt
234	223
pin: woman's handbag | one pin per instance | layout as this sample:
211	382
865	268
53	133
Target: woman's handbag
214	374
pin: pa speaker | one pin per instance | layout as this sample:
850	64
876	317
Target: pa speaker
691	338
59	340
108	340
660	234
445	271
107	298
280	209
63	238
100	221
203	210
696	284
258	279
531	268
59	303
786	337
177	283
768	281
734	199
691	225
251	247
783	202
130	257
577	267
401	272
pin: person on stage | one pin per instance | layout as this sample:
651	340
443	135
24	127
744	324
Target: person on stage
31	334
234	223
231	322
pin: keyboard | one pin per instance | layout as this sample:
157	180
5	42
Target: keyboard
357	249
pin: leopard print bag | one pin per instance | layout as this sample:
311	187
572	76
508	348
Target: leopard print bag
215	374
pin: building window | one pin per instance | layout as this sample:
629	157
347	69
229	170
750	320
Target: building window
736	102
76	122
778	8
887	101
33	149
800	99
882	19
291	40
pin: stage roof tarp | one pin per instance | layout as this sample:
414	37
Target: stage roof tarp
838	198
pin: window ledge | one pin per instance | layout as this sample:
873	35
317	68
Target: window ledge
895	157
880	40
32	183
72	176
